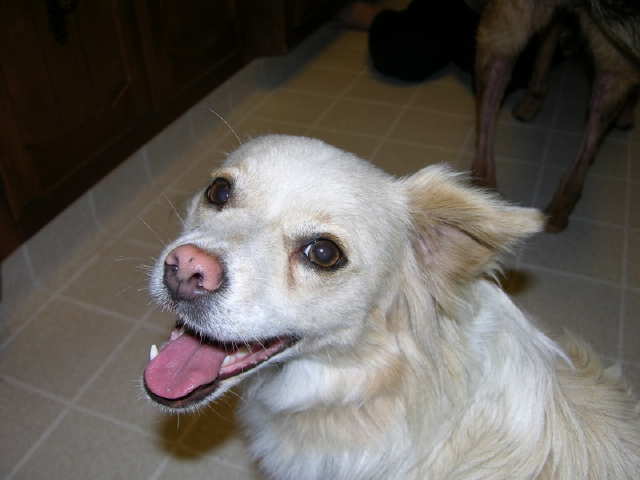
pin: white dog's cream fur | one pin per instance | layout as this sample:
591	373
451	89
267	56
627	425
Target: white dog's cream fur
411	363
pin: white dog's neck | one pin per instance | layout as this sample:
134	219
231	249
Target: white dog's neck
386	361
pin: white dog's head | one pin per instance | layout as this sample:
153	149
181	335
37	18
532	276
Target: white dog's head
292	247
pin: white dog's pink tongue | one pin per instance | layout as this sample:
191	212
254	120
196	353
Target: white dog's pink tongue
183	365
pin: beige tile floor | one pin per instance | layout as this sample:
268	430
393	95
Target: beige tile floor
77	321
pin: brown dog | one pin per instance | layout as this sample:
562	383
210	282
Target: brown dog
612	28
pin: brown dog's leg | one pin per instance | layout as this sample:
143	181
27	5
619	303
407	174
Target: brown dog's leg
538	86
492	82
614	85
505	28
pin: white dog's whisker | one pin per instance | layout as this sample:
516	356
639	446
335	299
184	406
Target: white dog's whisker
173	207
127	259
227	124
152	230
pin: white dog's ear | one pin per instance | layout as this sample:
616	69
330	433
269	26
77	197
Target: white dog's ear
460	230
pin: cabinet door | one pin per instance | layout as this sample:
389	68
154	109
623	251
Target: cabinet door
190	45
71	83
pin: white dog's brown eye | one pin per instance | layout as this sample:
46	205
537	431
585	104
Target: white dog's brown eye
324	253
218	192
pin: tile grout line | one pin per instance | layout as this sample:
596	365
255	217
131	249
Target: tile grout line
34	447
334	101
228	126
109	419
16	382
598	223
29	264
403	110
62	400
521	125
466	149
548	131
165	188
53	296
410	143
145	320
145	162
140	243
625	258
499	158
81	268
572	275
72	403
547	146
178	443
216	459
160	469
94	211
97	309
68	404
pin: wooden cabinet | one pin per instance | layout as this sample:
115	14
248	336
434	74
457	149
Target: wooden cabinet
72	83
187	44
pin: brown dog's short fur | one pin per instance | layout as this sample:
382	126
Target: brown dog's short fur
612	28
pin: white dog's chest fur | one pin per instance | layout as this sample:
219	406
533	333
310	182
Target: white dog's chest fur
286	458
312	443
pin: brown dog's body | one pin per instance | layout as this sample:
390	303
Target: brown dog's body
612	28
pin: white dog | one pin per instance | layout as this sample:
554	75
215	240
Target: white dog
357	311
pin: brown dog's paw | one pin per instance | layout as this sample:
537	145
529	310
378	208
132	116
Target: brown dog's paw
557	219
527	109
556	224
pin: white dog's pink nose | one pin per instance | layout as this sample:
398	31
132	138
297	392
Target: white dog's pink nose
190	271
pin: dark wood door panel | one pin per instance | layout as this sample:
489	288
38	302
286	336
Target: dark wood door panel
68	99
187	41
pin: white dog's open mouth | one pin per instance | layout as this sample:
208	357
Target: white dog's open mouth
188	369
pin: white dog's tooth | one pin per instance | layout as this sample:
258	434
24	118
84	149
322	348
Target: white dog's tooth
153	353
234	357
227	360
176	334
